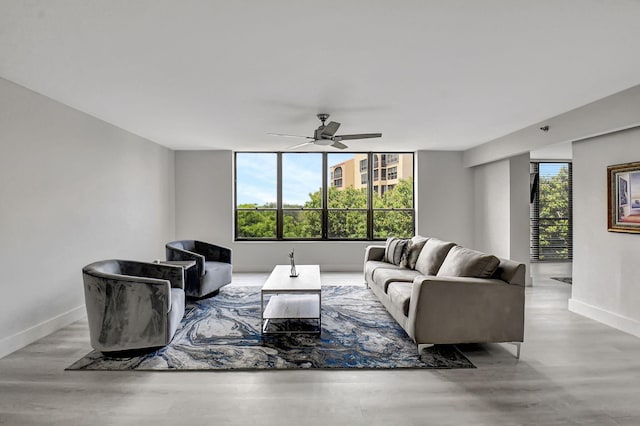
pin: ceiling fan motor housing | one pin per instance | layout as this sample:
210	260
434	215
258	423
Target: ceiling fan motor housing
321	139
323	117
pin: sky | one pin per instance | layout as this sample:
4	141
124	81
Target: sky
551	169
301	175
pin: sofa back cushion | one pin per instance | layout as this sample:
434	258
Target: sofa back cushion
432	255
393	250
464	262
412	251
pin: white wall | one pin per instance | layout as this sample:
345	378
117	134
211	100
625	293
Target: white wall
501	209
491	208
204	196
519	222
606	265
445	197
73	190
615	112
204	200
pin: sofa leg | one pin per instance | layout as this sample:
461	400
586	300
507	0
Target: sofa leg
422	346
517	345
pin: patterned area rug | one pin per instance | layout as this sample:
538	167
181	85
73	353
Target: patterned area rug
566	280
223	333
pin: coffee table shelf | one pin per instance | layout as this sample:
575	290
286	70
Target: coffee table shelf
291	298
292	306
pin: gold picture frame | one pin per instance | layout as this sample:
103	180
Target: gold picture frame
623	193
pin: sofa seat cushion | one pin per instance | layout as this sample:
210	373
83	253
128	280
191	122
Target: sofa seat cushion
372	265
400	295
383	276
432	255
464	262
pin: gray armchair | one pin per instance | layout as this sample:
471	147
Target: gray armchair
132	305
213	264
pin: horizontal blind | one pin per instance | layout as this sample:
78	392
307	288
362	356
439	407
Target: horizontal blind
551	226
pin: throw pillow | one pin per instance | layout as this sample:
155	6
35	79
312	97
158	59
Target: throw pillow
464	262
393	250
411	253
432	255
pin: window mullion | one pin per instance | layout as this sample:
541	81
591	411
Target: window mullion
325	197
279	207
370	196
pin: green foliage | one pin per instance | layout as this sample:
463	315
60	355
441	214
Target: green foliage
302	224
342	223
554	214
256	223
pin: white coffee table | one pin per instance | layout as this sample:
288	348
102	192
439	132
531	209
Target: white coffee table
292	298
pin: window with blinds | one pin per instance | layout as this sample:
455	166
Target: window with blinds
551	211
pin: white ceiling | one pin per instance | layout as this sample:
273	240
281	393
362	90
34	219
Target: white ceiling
221	74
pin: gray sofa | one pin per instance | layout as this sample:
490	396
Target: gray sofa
213	263
132	305
441	293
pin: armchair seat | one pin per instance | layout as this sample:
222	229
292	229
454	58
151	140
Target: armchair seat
213	264
132	305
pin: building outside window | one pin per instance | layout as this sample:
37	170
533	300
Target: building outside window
392	173
336	177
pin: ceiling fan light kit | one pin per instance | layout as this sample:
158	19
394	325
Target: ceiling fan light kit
325	135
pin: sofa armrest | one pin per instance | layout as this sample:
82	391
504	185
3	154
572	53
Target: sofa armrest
212	252
374	253
465	310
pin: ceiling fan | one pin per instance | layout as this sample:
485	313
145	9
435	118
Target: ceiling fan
326	135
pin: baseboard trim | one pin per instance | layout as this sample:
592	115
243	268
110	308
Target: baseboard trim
622	323
23	338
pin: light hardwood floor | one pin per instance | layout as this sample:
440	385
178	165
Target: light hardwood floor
573	371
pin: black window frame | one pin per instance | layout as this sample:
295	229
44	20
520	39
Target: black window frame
536	222
325	210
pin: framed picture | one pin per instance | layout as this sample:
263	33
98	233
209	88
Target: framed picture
623	188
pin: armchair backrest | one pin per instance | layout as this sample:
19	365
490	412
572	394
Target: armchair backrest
111	266
129	303
115	269
188	245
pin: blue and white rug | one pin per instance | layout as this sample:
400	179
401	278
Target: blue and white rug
223	333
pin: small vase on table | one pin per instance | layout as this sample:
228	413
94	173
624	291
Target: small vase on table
294	273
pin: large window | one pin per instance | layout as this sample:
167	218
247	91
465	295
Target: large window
321	196
551	211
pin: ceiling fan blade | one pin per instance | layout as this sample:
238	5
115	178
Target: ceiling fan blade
357	136
339	145
289	136
300	145
330	129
